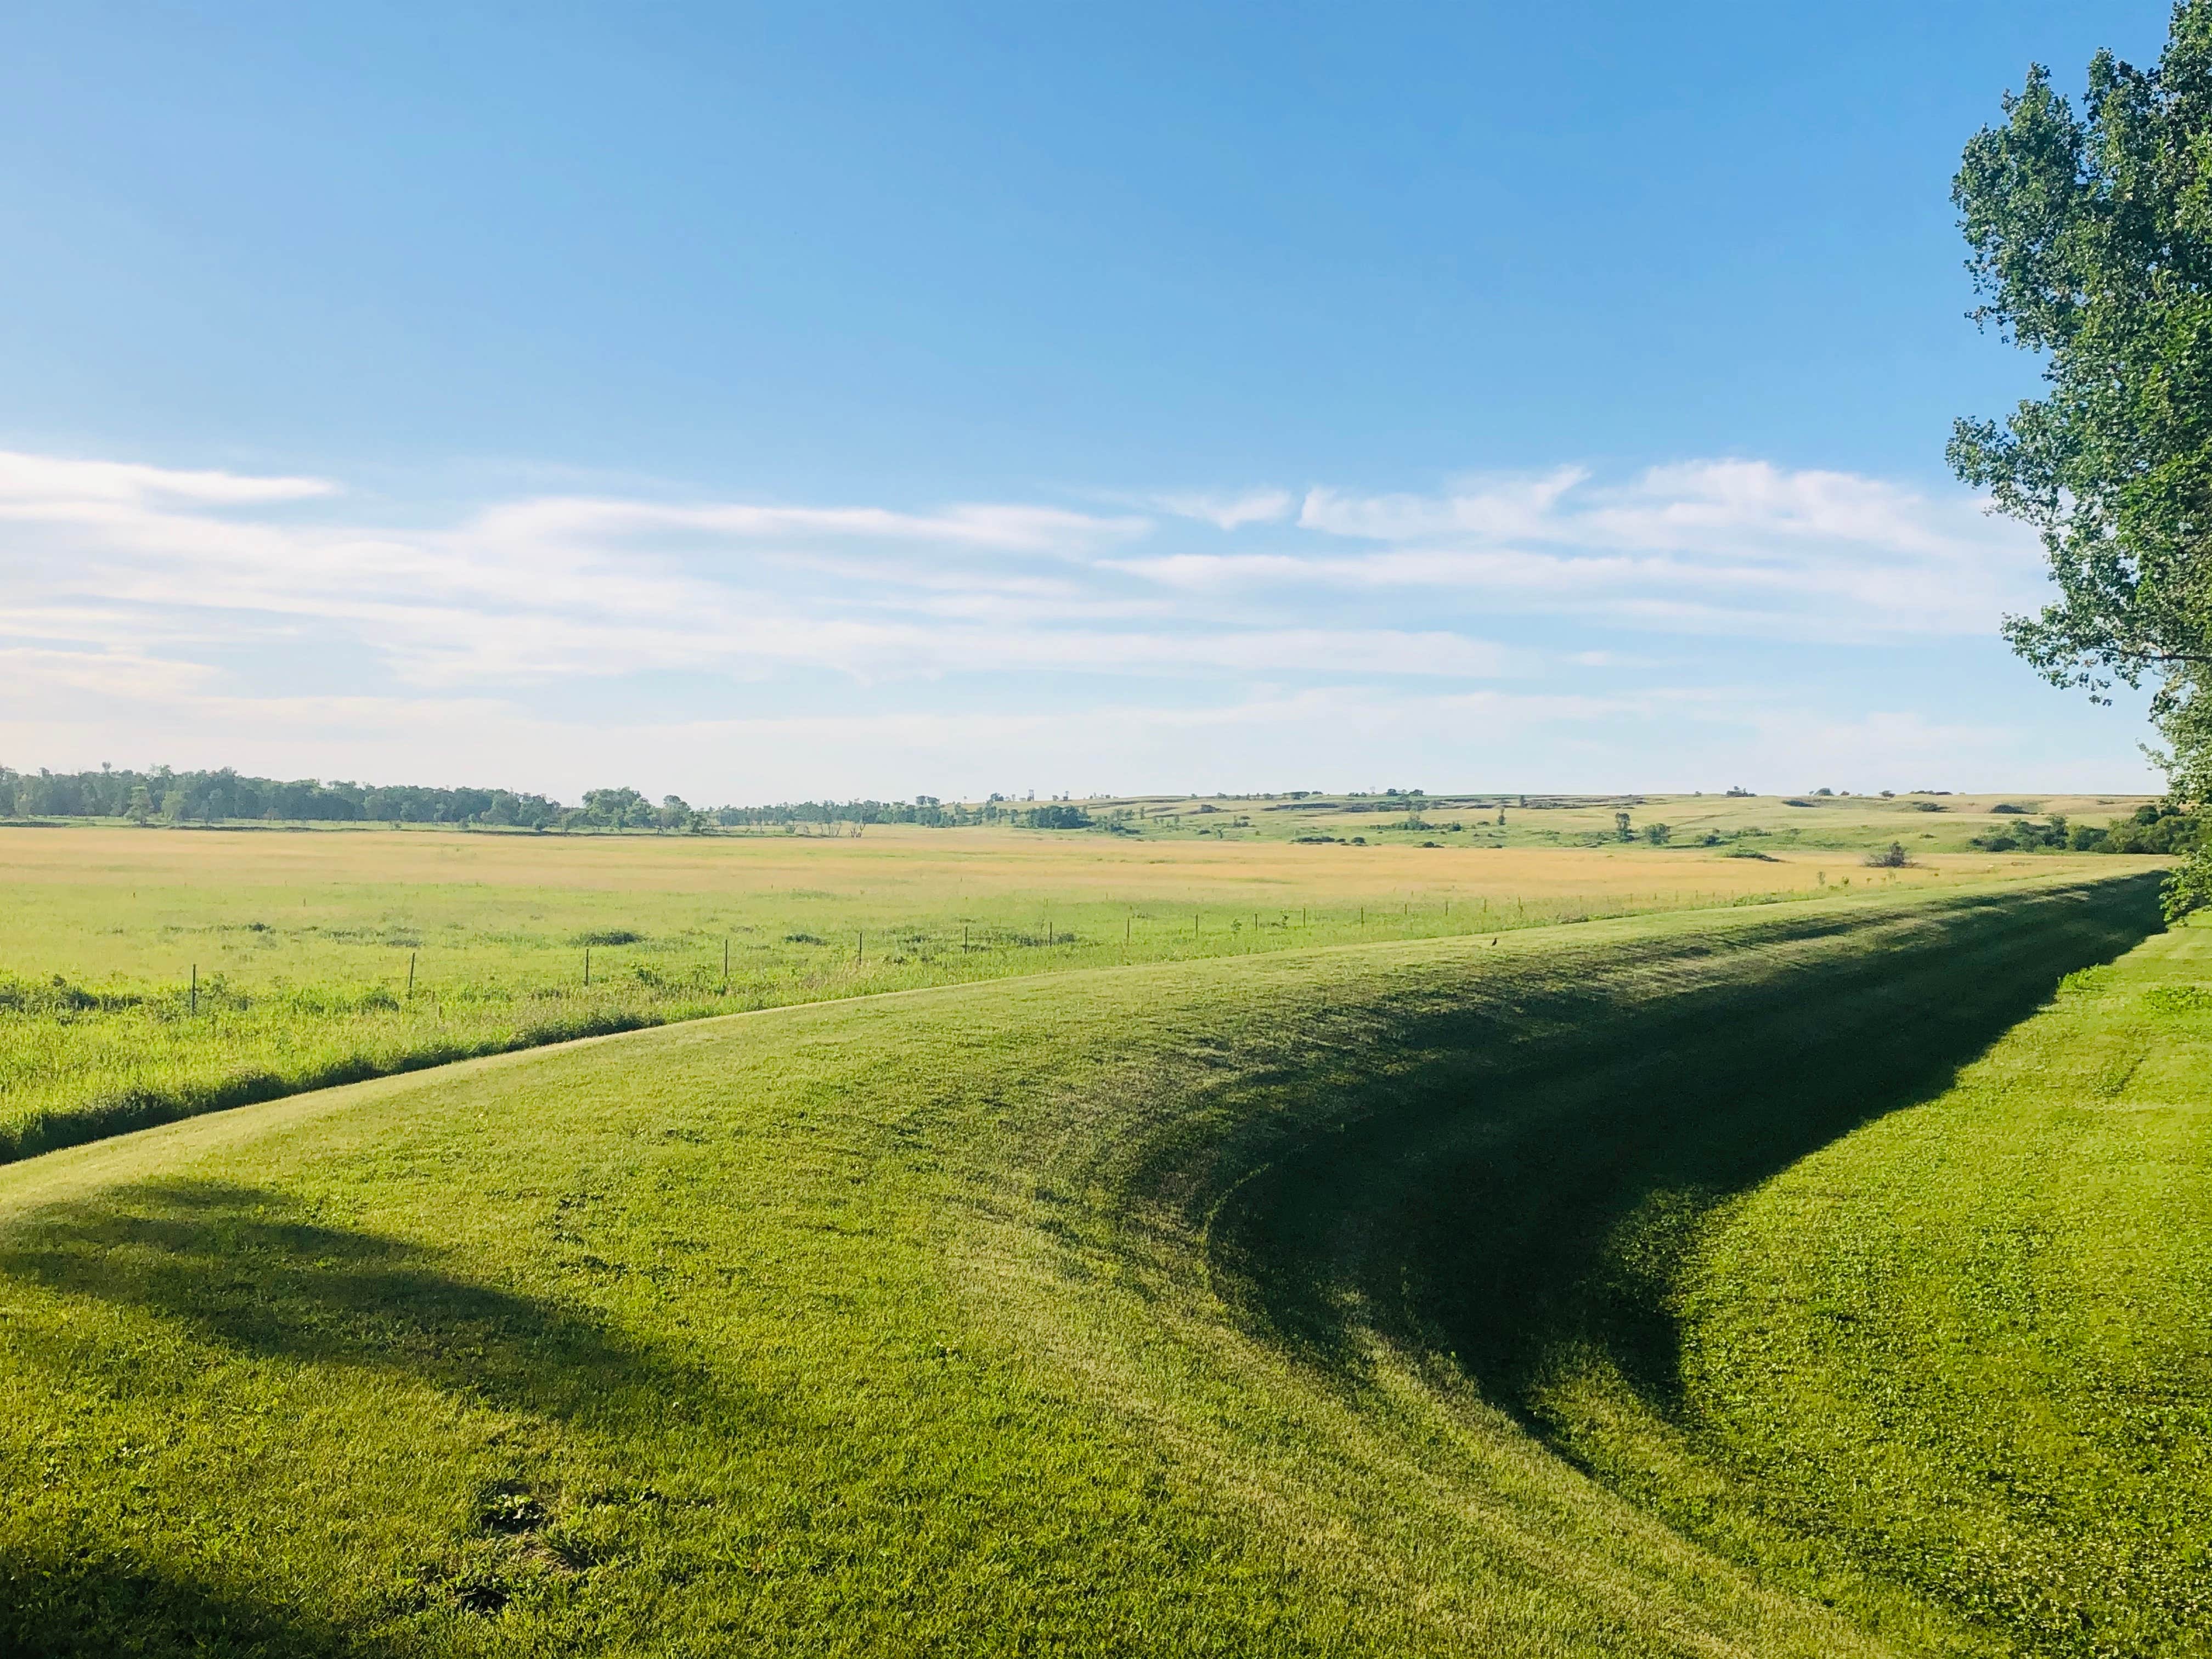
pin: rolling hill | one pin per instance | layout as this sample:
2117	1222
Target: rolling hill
1824	1278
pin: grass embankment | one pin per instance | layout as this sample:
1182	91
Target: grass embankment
304	947
1032	1318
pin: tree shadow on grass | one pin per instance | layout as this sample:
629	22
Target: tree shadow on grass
1501	1200
57	1606
246	1270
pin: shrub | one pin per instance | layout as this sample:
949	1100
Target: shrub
2154	830
607	936
1891	857
2030	836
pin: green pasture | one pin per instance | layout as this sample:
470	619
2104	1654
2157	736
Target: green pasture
147	974
1923	822
1820	1277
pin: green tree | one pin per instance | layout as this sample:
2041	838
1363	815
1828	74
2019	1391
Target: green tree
616	808
2092	246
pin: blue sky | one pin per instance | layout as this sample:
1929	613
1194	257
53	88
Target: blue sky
758	402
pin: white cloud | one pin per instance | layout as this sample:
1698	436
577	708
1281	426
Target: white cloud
1709	547
1382	621
34	482
1504	508
998	527
573	586
1229	511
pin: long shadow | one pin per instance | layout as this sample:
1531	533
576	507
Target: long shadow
243	1267
245	1270
55	1605
1522	1174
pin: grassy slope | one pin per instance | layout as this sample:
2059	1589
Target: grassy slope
1203	1307
303	944
1970	1343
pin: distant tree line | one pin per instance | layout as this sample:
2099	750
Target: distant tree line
163	795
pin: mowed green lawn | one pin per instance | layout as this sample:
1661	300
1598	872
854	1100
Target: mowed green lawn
1750	1282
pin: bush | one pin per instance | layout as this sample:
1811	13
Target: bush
2024	837
2166	829
1891	857
1067	817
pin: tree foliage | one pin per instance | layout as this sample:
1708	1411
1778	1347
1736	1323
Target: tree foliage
228	797
2092	246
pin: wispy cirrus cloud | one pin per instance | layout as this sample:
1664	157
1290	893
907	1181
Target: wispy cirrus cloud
595	587
1709	547
991	527
34	483
1230	510
1503	508
125	586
